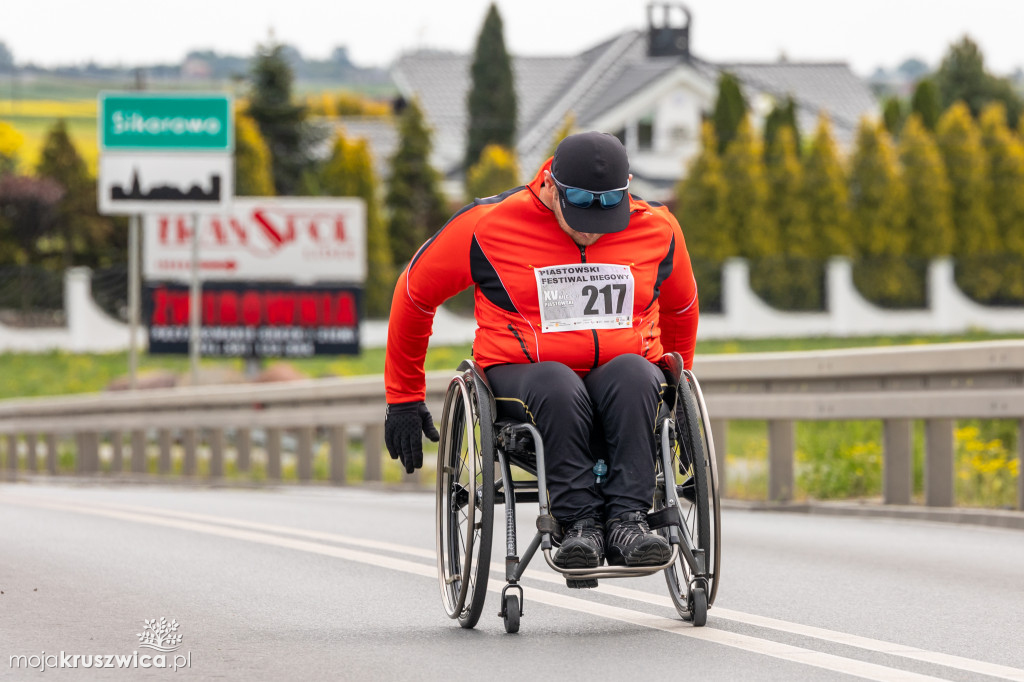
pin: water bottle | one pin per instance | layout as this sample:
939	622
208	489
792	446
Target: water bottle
600	471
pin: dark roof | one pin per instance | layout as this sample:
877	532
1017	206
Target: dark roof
815	87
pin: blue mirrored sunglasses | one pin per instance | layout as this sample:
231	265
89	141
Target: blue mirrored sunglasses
583	198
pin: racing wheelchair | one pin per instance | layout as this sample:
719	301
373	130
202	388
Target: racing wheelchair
685	507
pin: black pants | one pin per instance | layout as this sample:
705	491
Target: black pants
610	414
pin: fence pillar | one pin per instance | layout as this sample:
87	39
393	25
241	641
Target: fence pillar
274	454
373	440
938	463
719	436
215	437
780	460
51	453
304	453
243	448
12	452
138	452
117	447
87	460
898	465
31	464
1020	464
190	439
163	462
338	436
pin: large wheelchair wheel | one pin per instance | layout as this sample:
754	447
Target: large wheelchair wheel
465	499
697	500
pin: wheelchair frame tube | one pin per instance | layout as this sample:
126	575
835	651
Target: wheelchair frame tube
511	552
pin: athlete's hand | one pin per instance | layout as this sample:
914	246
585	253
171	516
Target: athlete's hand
404	426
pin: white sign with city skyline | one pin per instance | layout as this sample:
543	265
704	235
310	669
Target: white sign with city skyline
146	182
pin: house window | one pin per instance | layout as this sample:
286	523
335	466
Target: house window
621	134
645	133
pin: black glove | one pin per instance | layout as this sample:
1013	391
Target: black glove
404	425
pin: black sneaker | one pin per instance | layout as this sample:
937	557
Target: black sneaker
632	542
582	545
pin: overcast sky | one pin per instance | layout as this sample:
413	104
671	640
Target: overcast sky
864	33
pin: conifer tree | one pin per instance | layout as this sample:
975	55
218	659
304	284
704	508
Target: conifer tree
877	195
253	170
1006	175
349	173
892	115
785	203
492	95
826	196
730	110
752	228
967	168
962	77
495	172
926	103
929	221
82	234
414	201
976	234
701	203
280	120
783	114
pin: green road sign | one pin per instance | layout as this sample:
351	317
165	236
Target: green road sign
158	122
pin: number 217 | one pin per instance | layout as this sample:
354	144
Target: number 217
604	293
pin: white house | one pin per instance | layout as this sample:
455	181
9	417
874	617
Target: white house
646	86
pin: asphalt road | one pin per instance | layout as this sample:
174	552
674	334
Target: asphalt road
304	583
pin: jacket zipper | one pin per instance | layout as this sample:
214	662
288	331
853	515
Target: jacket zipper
597	347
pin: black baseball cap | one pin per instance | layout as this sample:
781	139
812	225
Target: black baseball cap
596	163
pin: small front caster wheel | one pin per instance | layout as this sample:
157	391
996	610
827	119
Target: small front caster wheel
510	613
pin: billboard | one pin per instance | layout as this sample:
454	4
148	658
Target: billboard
256	319
286	239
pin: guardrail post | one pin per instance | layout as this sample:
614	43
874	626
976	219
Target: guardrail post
31	464
373	440
1020	464
274	454
117	445
138	452
88	454
304	453
780	460
190	439
938	463
163	462
719	435
51	453
216	439
338	436
898	467
243	448
12	452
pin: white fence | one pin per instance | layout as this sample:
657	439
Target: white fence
89	329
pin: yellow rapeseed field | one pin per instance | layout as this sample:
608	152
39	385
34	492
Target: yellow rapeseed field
34	118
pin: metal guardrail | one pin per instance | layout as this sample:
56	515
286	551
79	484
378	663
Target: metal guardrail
934	383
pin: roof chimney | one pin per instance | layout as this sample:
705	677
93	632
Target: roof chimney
666	39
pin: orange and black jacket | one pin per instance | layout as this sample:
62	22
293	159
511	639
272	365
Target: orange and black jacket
495	244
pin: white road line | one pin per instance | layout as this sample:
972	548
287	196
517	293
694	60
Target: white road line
834	636
769	648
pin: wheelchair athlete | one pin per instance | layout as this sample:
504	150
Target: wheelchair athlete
580	288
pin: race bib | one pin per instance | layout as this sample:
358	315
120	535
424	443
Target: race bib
585	296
